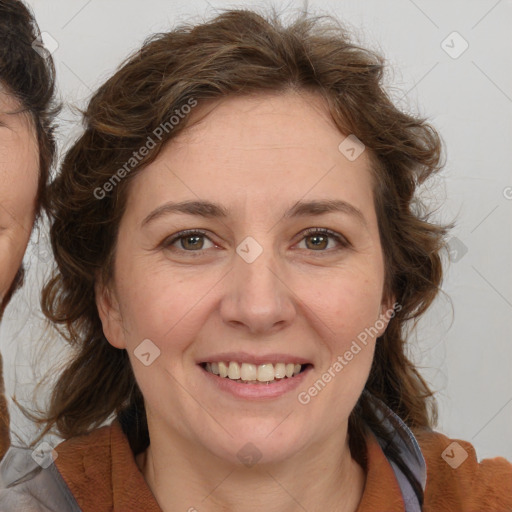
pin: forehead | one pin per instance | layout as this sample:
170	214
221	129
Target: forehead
282	145
19	156
268	119
13	116
9	104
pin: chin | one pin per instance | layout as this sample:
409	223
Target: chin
256	446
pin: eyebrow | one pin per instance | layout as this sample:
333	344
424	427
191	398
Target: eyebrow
208	209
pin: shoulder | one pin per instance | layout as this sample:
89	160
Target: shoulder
79	453
101	472
85	464
457	481
33	486
47	483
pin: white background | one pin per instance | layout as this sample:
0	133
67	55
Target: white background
464	344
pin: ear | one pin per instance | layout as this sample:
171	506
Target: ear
388	309
110	316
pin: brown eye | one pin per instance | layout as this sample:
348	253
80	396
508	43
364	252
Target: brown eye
192	242
318	239
189	241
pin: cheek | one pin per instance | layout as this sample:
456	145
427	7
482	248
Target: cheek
169	313
163	303
167	309
18	192
346	302
348	329
12	248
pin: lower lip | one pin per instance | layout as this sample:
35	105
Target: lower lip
261	391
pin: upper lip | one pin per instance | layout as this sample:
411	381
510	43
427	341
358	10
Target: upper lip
257	359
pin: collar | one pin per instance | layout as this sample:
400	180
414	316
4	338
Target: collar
99	469
408	449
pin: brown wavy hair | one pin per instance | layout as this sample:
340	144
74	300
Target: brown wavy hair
237	52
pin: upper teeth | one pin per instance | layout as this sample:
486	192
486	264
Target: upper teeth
247	371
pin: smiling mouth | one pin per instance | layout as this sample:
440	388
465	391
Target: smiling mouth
248	373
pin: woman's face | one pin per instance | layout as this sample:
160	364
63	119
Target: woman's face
19	175
251	287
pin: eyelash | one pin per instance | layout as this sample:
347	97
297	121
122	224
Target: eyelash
168	242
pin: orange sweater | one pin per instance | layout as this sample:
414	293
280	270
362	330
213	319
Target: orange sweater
102	474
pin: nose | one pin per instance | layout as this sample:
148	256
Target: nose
258	297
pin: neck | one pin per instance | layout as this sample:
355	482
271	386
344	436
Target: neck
320	477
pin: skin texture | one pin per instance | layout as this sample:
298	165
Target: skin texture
19	163
18	187
256	156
